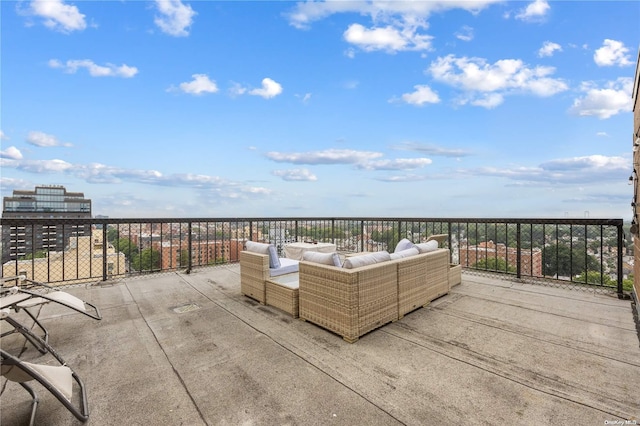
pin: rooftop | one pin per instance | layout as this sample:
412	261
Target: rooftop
188	349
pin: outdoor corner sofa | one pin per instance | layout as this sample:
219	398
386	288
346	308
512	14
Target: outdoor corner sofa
366	292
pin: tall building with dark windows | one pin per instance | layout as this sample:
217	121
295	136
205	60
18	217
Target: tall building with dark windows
45	202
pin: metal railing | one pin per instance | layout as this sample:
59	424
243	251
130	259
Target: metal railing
586	252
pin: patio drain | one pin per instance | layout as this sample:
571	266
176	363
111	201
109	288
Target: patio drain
185	308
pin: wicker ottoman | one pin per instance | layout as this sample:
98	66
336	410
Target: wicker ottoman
282	293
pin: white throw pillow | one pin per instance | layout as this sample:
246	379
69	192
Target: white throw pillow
403	244
262	248
322	258
405	253
366	259
274	260
428	246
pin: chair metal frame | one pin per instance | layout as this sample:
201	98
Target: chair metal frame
21	303
81	412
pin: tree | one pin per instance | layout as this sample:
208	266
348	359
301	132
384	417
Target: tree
147	260
184	258
389	236
560	260
593	277
112	235
628	283
126	246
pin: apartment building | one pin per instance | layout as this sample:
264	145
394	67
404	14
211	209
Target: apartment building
44	202
82	261
174	254
530	260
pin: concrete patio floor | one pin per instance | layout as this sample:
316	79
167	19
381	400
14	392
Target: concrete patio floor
177	349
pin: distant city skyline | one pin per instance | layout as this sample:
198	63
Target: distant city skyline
261	109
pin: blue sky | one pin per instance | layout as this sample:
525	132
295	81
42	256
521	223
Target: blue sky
247	109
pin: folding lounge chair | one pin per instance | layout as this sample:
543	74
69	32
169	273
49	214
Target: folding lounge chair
17	298
57	379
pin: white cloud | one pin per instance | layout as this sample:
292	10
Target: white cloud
13	183
329	156
237	89
37	166
423	94
488	100
386	38
611	53
548	49
431	149
395	25
295	175
11	153
401	12
486	84
405	178
100	174
350	53
591	169
108	70
199	85
304	98
465	34
395	164
3	137
42	139
175	17
59	16
534	11
269	89
605	102
602	134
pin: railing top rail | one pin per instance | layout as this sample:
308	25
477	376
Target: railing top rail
549	221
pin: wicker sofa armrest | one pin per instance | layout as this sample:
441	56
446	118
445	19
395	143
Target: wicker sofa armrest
254	272
437	279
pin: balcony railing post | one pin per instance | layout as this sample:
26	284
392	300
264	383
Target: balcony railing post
190	244
619	274
449	240
333	231
518	252
362	235
104	251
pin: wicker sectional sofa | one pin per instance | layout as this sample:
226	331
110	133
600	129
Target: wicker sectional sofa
352	302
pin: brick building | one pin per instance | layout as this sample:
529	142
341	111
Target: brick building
530	261
174	253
